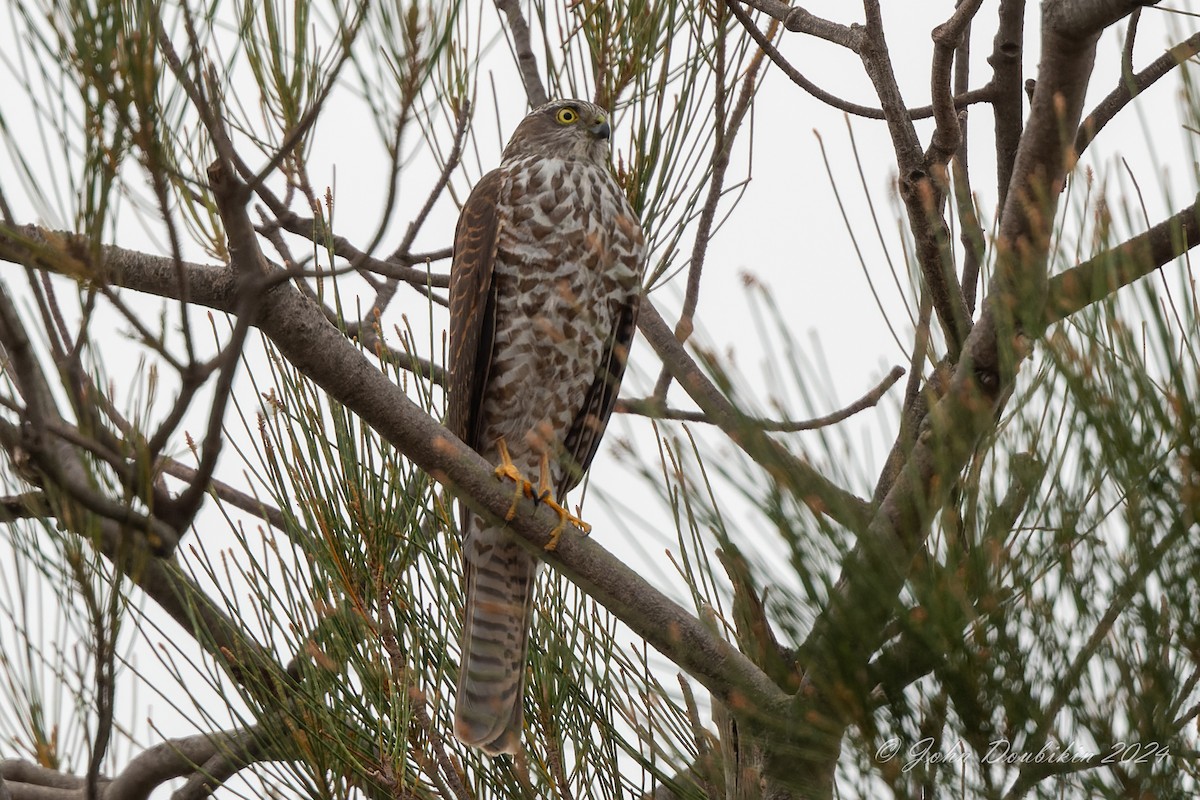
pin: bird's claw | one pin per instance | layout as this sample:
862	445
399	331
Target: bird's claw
507	469
543	494
564	517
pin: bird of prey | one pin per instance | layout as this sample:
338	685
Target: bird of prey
544	292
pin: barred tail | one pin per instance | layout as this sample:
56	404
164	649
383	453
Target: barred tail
489	713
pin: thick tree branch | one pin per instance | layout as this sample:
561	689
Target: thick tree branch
874	572
315	347
211	286
27	505
146	772
1100	276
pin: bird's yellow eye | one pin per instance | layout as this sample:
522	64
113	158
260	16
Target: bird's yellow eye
566	116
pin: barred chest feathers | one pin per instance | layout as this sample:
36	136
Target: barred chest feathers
568	260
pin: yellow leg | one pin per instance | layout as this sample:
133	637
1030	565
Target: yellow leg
508	469
546	495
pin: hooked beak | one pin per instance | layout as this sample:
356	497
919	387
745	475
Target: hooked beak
601	130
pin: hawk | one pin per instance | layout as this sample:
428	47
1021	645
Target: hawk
544	292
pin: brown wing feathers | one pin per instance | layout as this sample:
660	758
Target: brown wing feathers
472	312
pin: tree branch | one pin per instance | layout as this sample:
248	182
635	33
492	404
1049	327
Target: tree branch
947	135
523	47
961	100
1008	104
655	410
874	572
316	348
211	286
1100	276
797	20
143	774
921	191
1129	87
807	483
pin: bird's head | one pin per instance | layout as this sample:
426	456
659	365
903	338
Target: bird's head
562	129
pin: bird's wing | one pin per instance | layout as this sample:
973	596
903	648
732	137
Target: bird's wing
583	439
472	306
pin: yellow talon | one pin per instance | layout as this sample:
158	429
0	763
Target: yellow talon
508	469
556	534
544	494
564	516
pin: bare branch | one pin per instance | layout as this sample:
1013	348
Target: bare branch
1081	20
947	136
808	483
56	464
798	20
1008	104
146	772
526	62
1131	86
28	505
649	407
920	188
1100	276
315	347
226	493
1127	50
210	286
961	100
398	266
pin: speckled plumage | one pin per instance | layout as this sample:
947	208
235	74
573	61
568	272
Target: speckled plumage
543	302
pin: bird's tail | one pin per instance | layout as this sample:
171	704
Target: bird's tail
489	713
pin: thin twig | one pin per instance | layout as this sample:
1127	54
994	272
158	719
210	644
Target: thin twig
397	267
1127	89
650	408
802	478
384	296
725	134
981	95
